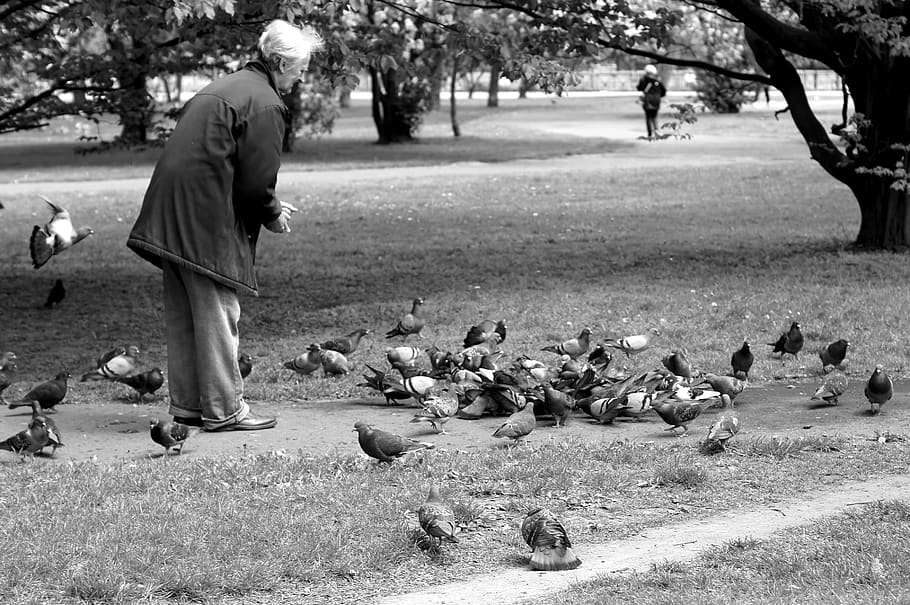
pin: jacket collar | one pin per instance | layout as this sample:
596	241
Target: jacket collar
261	67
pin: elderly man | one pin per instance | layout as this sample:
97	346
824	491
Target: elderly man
211	191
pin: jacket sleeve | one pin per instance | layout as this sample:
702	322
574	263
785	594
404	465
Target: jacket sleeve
258	161
641	84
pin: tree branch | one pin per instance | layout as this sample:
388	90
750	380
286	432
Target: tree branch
668	60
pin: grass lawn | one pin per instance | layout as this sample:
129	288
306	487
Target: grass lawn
730	237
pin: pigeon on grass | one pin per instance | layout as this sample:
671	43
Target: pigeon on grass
551	549
437	518
385	446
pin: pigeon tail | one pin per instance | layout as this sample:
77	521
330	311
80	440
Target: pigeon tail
549	558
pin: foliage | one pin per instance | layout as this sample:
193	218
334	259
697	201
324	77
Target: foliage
722	94
682	116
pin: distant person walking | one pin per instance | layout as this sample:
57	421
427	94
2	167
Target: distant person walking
653	91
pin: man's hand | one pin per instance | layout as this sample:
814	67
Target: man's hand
281	224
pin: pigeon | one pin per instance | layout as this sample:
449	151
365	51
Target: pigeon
484	331
334	363
56	294
170	435
559	404
551	549
833	355
790	342
678	363
437	518
403	356
348	343
118	366
306	363
144	383
380	381
519	424
29	440
245	364
418	386
411	323
679	413
47	394
54	439
109	355
721	430
7	369
742	360
834	386
728	386
55	237
633	345
879	388
385	446
437	410
574	347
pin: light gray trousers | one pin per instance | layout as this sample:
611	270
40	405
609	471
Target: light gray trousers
201	318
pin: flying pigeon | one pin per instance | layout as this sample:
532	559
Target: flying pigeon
519	424
348	343
334	363
245	364
678	363
47	394
437	518
834	386
385	446
721	430
56	294
437	410
411	323
574	347
144	383
879	388
790	342
551	549
56	236
742	360
633	345
118	366
306	363
833	355
484	331
169	434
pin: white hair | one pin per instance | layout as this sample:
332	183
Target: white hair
289	42
650	69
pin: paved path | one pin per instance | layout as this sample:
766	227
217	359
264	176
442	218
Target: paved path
668	543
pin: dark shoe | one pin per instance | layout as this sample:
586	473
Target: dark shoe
188	421
251	422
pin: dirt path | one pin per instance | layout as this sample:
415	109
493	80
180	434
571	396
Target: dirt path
669	543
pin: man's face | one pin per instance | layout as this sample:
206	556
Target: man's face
288	73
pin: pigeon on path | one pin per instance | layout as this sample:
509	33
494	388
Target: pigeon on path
437	518
728	386
519	424
54	436
834	386
742	360
245	364
790	342
144	383
56	295
55	237
551	549
7	371
118	366
29	440
833	354
678	363
47	394
574	347
348	343
385	446
678	414
633	345
879	388
170	435
411	323
437	410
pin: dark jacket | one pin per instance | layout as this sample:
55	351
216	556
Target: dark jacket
653	90
214	184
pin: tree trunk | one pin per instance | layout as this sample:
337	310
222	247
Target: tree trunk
387	116
884	219
456	129
135	111
495	72
344	98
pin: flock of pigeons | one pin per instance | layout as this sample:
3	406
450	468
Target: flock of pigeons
468	383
